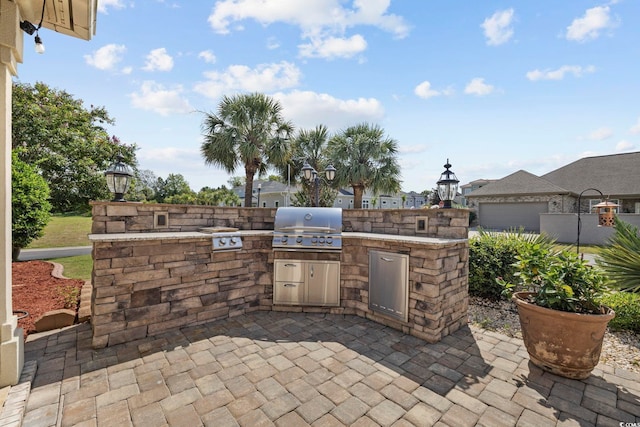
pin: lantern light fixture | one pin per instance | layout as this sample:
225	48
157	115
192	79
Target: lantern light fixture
118	176
312	176
447	186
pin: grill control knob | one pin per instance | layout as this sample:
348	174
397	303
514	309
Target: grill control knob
284	239
222	241
233	241
299	239
329	240
314	240
321	240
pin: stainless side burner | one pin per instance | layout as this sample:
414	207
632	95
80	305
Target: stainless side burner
224	238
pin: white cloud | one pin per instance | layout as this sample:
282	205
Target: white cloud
423	90
412	149
590	25
624	146
635	129
158	60
263	78
478	87
559	74
115	4
155	97
498	28
207	56
600	134
106	57
306	109
169	154
323	23
333	47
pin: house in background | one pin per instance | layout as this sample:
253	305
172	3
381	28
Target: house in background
274	194
413	200
537	203
472	186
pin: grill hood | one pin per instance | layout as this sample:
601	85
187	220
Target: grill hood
301	228
293	220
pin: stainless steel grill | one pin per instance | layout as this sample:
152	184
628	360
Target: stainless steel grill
309	229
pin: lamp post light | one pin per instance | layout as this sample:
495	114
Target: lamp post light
312	176
605	211
118	176
447	186
259	190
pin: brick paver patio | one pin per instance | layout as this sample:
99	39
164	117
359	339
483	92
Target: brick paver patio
297	369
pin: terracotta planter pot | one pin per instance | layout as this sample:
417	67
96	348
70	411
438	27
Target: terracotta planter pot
563	343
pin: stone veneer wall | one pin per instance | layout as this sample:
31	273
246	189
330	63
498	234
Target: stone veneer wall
146	287
438	284
110	217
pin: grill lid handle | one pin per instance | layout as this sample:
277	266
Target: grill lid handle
293	228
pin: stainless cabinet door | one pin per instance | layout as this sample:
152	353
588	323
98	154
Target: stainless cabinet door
323	283
388	284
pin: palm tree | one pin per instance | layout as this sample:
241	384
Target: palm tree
365	159
310	146
247	130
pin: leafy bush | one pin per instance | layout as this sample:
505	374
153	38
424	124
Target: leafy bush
492	255
29	203
621	259
558	280
627	308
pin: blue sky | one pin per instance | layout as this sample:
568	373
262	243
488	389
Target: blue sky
494	86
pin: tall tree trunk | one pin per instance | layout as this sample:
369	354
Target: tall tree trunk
358	191
248	188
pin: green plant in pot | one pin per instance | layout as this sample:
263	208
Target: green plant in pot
562	323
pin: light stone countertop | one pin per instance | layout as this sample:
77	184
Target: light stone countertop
123	237
170	235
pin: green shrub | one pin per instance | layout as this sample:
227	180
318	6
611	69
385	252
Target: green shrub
558	280
621	258
627	308
492	255
29	204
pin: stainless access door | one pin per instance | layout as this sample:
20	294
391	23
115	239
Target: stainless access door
389	284
323	283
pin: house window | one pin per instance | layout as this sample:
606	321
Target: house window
339	201
638	207
276	204
365	204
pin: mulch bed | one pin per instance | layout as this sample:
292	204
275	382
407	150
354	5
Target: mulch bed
36	291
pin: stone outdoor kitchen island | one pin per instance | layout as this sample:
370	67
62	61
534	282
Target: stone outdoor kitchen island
155	270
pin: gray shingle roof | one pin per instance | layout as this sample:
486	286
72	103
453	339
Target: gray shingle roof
614	175
518	183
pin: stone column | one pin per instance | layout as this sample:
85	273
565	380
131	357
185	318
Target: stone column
11	339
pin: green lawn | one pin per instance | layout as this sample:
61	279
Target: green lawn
63	231
76	267
585	249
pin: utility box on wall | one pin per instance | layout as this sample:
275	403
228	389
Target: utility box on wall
422	224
